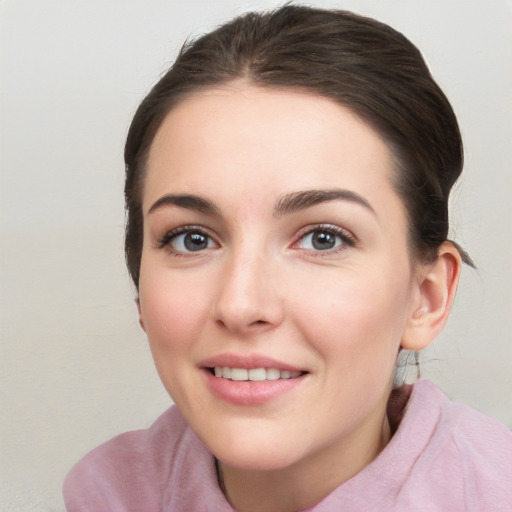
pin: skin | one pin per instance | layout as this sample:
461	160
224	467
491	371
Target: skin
261	287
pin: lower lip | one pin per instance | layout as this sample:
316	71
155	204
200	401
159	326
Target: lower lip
248	392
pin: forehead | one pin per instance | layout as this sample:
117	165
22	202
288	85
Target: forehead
243	139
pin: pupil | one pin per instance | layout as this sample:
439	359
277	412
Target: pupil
323	240
195	241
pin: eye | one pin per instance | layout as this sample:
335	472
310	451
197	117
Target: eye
325	239
186	240
191	242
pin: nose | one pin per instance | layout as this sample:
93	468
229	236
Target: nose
249	299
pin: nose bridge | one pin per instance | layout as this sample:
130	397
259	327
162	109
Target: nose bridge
247	295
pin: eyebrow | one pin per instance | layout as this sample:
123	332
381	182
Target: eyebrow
288	204
188	201
307	198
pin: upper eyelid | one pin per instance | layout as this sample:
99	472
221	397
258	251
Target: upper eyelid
333	228
170	234
346	235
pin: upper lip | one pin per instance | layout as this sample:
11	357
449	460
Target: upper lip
248	361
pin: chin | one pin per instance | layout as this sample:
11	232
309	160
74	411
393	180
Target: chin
256	461
256	454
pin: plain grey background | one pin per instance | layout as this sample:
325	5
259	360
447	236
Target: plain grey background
74	367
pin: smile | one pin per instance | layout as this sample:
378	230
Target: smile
254	374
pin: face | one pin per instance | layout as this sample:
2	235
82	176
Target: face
276	280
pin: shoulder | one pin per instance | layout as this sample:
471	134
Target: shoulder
469	430
465	456
130	469
444	456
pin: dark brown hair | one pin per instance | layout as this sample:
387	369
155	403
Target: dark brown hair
355	61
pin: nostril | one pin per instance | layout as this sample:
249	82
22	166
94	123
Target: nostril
257	323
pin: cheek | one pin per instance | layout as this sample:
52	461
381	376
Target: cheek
355	319
174	309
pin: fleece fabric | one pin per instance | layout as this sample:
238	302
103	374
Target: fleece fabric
444	457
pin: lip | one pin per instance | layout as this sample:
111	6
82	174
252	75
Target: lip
249	393
248	362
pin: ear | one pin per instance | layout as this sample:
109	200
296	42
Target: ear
433	296
141	320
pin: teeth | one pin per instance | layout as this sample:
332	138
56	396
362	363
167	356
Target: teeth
254	374
239	374
273	374
257	374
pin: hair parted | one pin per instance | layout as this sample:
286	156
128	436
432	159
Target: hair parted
355	61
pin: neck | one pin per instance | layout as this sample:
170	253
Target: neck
307	482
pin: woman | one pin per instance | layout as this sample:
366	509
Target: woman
287	193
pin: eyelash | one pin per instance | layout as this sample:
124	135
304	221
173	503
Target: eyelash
169	236
347	239
345	236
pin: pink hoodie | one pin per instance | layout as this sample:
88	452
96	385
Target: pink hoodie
444	457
